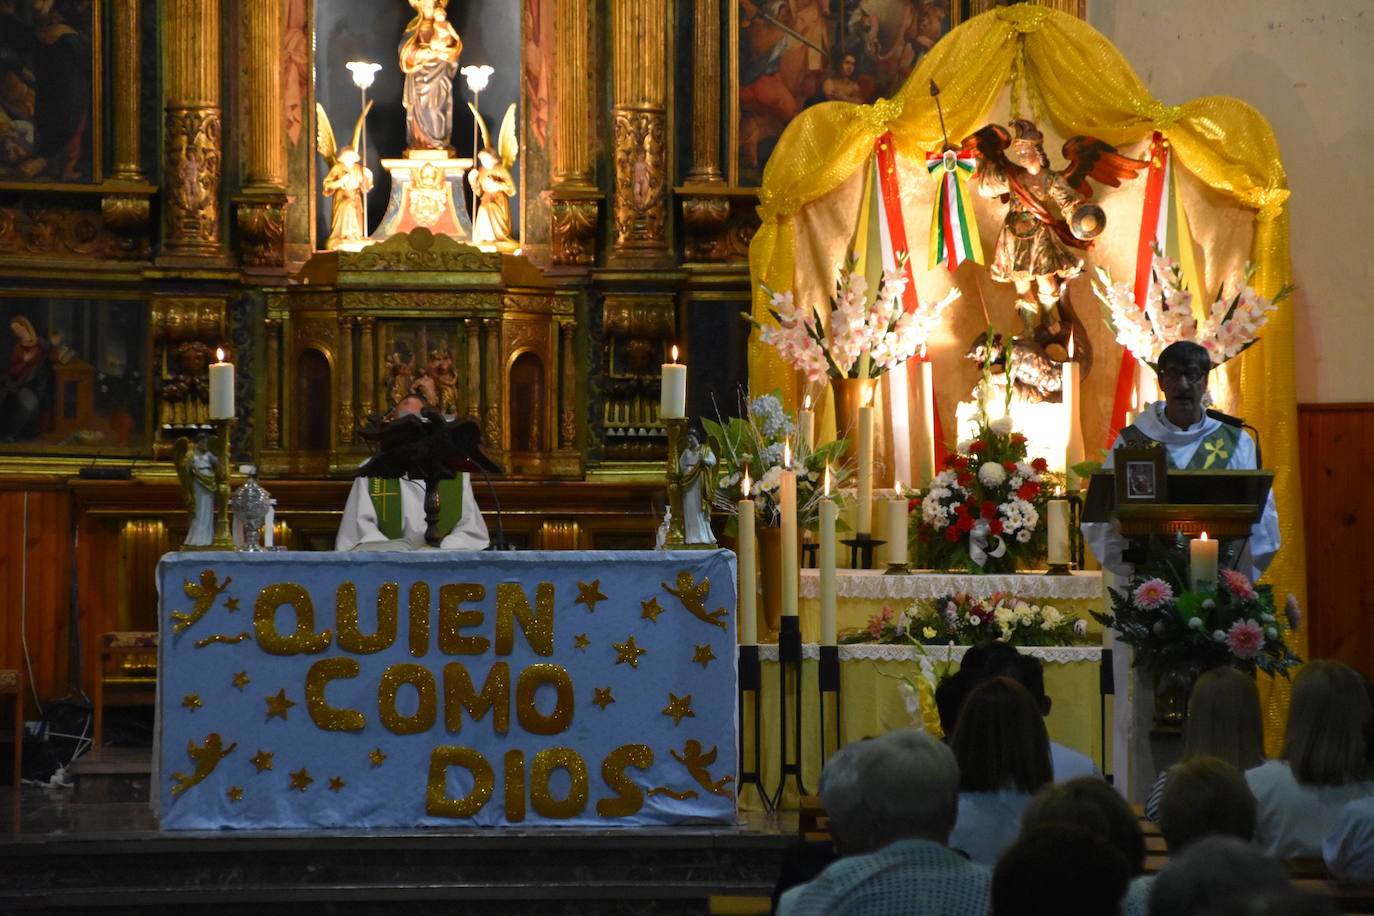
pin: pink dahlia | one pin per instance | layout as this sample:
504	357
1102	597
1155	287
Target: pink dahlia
1245	638
1153	593
1238	585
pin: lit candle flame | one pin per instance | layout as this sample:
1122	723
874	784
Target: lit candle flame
1203	537
744	483
219	354
1070	345
787	453
674	359
827	480
897	487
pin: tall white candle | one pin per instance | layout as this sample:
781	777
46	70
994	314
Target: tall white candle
895	527
806	425
1073	451
787	507
748	569
1058	513
828	514
866	464
672	403
221	388
925	452
1202	556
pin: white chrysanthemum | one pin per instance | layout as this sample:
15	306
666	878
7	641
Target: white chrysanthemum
768	483
992	474
1001	426
945	478
933	512
1052	616
1023	535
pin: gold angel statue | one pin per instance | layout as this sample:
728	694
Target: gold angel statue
348	180
1050	221
492	184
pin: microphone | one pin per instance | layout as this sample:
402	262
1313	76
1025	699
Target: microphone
1226	418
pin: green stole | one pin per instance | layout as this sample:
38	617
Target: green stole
1214	452
386	499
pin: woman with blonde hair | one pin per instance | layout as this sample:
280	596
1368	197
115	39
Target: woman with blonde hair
1324	763
1223	722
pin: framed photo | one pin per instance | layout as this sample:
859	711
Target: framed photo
1141	475
787	55
50	99
75	376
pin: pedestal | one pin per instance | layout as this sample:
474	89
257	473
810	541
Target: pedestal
426	190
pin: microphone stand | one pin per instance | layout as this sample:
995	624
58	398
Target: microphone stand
500	543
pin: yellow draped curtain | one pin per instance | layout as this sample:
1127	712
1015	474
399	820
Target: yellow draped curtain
1071	75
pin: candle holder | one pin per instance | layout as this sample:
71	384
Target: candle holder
750	724
224	536
897	569
828	680
790	713
1059	569
861	547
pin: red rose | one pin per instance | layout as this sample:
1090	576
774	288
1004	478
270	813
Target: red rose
912	504
1010	466
957	461
995	526
1018	439
1028	490
964	479
977	447
989	508
964	523
961	509
1040	465
952	534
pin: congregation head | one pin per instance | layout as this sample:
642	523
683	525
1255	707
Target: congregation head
1204	796
1325	743
1059	870
1224	719
901	785
1000	740
1215	871
1091	805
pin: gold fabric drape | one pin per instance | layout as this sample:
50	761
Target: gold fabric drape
1070	75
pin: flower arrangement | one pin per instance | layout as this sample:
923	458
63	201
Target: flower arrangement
968	621
982	512
864	338
1230	327
1173	628
757	441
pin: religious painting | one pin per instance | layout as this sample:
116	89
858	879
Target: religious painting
791	54
49	99
75	375
1141	475
423	357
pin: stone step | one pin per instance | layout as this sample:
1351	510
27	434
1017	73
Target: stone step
112	774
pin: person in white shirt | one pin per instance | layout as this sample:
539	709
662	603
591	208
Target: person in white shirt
1193	441
363	527
1348	849
1065	762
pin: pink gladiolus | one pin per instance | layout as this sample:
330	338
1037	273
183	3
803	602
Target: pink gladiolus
1245	638
1153	593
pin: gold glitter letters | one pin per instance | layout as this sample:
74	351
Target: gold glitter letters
545	762
513	604
419	677
528	714
515	786
437	802
321	713
419	619
346	616
495	695
304	639
452	619
629	797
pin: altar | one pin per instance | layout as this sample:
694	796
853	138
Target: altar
577	688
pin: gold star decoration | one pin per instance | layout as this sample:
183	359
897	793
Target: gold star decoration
240	679
301	780
336	783
235	793
679	708
704	655
231	604
589	593
628	652
279	704
580	641
262	760
603	697
376	757
651	609
192	701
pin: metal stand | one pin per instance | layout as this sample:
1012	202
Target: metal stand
861	547
828	678
789	681
750	723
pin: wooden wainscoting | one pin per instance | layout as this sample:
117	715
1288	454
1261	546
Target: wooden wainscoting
1337	452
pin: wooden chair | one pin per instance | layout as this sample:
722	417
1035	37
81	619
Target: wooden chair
12	683
127	662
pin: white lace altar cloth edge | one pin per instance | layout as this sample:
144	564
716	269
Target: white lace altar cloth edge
872	583
1059	655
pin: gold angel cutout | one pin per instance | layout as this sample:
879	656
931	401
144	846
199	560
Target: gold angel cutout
492	184
348	181
205	758
692	595
696	761
204	595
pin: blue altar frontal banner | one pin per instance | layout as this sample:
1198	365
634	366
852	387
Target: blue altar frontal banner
356	690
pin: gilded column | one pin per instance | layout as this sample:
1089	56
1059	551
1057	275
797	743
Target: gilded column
492	384
274	392
367	363
473	383
574	199
192	124
124	39
343	380
260	211
706	94
639	133
567	415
